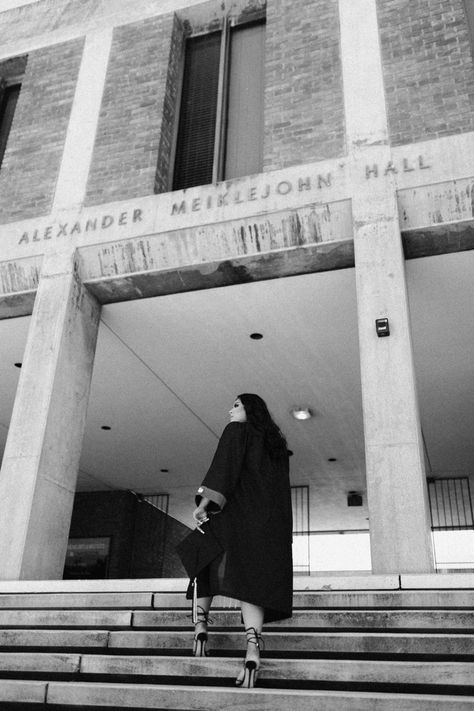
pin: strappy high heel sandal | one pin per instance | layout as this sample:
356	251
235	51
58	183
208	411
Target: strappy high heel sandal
248	676
200	638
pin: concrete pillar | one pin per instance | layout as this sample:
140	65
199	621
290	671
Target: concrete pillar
41	459
396	482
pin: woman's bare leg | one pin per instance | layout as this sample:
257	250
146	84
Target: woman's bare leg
203	607
253	622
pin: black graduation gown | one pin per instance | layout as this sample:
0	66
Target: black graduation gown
250	493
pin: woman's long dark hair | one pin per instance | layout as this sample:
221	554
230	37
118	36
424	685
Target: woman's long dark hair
259	416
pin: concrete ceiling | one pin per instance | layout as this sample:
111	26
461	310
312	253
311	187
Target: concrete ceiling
167	370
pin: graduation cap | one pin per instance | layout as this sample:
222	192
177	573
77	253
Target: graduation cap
197	550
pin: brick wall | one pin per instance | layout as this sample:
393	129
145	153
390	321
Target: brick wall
143	539
33	156
137	113
428	68
304	112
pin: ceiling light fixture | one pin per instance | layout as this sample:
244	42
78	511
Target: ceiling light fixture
301	413
256	336
105	427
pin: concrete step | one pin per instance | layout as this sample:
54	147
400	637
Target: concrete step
292	671
177	600
348	619
98	601
341	643
304	642
462	620
188	698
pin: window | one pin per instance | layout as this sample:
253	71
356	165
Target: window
220	131
8	99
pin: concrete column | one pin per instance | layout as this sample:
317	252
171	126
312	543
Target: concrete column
396	482
41	459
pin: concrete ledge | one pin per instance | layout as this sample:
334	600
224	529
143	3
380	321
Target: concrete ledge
217	699
450	581
26	692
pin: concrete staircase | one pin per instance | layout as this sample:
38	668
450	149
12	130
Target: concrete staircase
355	644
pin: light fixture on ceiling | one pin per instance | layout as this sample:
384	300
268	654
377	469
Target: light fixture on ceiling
256	336
301	413
106	427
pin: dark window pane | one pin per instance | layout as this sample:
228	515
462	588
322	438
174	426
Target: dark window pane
244	145
7	110
197	121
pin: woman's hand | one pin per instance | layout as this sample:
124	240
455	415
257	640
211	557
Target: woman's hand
200	514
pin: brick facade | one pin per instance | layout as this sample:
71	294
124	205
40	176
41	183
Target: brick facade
304	110
34	150
428	68
136	121
143	539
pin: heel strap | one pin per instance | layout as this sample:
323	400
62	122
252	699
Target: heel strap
254	637
203	617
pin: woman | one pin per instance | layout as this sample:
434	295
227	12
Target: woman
245	499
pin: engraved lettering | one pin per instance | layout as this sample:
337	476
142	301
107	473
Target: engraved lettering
209	202
137	215
304	184
252	193
123	218
406	166
324	181
179	209
222	199
35	237
196	205
47	232
76	228
421	163
107	220
91	225
62	230
371	171
390	168
284	187
237	198
24	238
266	193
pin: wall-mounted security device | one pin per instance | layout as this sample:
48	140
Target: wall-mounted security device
382	327
354	498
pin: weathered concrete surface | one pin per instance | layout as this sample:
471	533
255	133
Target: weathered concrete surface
82	639
26	692
335	619
437	673
303	260
39	662
97	601
65	618
315	642
438	239
41	457
440	582
169	697
426	205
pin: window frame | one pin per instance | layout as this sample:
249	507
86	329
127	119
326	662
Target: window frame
225	27
6	86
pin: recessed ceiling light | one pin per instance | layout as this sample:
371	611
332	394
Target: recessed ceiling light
165	471
301	413
332	459
105	427
18	365
256	336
